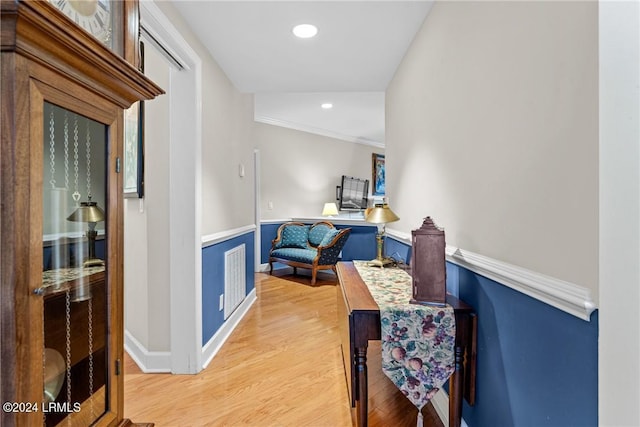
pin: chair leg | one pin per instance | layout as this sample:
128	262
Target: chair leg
313	276
271	267
295	271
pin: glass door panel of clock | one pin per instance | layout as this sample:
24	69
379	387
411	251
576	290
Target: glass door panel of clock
75	269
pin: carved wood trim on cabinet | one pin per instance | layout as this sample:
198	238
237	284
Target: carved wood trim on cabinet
43	35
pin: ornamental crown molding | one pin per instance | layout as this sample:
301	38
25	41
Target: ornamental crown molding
36	30
566	296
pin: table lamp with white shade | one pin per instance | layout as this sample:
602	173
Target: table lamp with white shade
330	210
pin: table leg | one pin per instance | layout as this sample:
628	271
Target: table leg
455	389
362	396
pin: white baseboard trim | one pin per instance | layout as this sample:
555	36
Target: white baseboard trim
440	403
149	362
214	345
160	361
568	297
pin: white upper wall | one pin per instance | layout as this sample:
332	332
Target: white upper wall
156	208
619	319
492	129
227	198
146	222
300	170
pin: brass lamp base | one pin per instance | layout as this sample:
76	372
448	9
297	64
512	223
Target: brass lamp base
93	262
380	262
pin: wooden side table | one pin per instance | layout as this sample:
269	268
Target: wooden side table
359	321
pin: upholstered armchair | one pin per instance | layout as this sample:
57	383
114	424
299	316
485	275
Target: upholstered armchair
316	247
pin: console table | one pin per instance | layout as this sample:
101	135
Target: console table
359	321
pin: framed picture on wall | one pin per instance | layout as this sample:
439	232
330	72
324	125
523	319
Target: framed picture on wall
377	174
134	144
134	151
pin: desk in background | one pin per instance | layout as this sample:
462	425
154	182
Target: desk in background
359	321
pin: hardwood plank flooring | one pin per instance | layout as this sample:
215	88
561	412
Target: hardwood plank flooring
282	366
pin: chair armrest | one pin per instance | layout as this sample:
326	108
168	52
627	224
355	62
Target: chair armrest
328	255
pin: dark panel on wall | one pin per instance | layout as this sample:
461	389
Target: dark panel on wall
267	234
361	243
213	280
397	250
69	254
537	365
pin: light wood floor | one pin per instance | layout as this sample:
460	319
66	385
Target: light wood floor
282	366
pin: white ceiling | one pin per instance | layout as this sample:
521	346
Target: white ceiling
349	63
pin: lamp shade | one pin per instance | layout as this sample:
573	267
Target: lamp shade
330	209
87	212
381	215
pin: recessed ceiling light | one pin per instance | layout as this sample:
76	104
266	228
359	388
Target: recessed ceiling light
305	31
327	106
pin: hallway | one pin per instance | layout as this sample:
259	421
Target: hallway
281	367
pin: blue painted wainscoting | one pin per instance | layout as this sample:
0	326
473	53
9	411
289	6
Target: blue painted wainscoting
70	253
268	232
361	244
213	279
536	365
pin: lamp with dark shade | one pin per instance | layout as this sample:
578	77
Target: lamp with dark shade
90	213
381	215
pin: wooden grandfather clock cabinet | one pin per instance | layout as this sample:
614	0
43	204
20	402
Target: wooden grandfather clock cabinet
69	69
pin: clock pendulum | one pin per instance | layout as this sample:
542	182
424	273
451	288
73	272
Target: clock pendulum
88	212
53	365
57	369
58	198
90	335
67	323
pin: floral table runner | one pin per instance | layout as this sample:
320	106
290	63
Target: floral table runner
417	340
